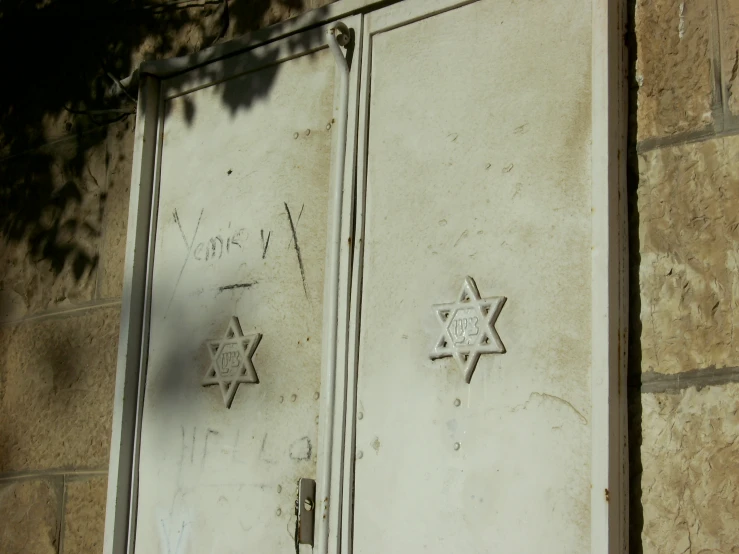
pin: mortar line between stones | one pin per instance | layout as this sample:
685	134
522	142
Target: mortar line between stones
681	139
103	303
60	519
46	473
652	382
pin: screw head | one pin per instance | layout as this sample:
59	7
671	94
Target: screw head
307	132
296	135
294	397
360	415
278	512
457	402
316	396
360	454
457	446
328	126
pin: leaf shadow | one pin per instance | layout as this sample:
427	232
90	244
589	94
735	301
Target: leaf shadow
69	86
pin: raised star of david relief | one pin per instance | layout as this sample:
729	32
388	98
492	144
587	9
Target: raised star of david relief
468	328
231	360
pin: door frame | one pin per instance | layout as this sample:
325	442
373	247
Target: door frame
609	499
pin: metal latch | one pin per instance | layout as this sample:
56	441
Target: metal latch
305	509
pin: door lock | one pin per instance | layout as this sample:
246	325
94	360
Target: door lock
305	509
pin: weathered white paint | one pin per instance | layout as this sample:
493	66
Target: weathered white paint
511	131
241	231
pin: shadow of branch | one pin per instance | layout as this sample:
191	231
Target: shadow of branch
67	91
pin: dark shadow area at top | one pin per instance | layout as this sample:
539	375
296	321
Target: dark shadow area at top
68	70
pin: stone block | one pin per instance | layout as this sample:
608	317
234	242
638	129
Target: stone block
56	391
688	209
29	522
673	67
690	458
17	135
115	208
84	515
729	21
168	33
51	219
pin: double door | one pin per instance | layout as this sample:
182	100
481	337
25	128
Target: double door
383	257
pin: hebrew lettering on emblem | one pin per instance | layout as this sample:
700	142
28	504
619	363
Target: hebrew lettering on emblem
468	328
231	360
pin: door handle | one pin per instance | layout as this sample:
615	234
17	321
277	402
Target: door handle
305	510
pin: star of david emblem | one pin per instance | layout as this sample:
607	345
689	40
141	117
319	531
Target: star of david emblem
230	360
468	328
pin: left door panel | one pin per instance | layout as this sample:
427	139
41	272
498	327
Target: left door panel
231	405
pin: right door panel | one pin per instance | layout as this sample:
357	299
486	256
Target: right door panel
478	163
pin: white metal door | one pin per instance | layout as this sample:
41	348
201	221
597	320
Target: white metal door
478	423
432	325
232	393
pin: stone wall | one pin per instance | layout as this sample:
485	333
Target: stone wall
684	191
65	159
66	144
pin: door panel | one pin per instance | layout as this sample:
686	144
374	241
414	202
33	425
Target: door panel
473	313
241	232
478	164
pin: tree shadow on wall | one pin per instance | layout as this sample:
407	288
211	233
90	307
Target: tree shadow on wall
68	68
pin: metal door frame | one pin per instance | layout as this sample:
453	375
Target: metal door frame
609	501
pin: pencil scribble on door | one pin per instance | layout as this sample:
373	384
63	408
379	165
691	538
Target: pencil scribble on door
297	246
265	244
187	256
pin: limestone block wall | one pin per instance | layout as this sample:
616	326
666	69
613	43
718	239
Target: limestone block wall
684	192
65	168
65	159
